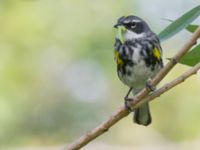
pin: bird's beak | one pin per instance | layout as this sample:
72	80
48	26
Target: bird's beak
117	25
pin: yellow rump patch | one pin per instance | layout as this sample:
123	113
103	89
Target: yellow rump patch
156	53
118	60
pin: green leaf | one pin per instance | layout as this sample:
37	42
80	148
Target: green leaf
192	28
192	57
180	23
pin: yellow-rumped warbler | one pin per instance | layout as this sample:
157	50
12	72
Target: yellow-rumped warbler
138	55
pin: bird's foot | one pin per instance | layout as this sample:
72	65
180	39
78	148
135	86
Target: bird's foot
127	100
127	103
149	86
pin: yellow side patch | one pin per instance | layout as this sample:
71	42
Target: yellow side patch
118	60
156	53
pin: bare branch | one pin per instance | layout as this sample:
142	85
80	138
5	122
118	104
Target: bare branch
140	97
170	85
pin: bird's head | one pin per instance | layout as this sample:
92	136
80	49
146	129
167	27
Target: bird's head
131	27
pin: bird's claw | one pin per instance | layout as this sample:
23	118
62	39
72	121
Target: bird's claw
149	86
126	103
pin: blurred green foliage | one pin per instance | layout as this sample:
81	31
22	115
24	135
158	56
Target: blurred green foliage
40	40
180	23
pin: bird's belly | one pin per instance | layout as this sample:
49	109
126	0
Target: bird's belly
136	76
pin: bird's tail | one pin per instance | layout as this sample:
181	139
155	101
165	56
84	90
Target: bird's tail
142	115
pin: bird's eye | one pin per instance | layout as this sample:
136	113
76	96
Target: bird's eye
133	25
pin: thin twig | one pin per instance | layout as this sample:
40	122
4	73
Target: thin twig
170	85
138	99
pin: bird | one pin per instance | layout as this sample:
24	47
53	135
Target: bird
138	57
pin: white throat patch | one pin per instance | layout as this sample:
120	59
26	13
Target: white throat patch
129	35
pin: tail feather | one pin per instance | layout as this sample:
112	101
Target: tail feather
142	115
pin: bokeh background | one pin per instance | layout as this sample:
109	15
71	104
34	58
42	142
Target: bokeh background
58	76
